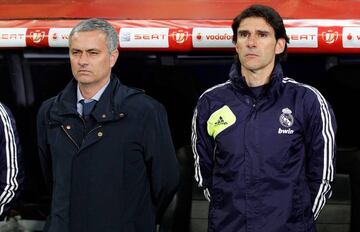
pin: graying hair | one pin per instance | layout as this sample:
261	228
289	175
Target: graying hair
112	38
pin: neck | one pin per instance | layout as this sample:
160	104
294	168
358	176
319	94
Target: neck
89	90
256	78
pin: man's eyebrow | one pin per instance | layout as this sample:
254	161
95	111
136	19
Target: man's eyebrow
257	31
75	49
263	31
87	50
92	50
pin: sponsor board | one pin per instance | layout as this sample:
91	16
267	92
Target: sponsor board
302	37
351	37
144	37
212	38
330	38
37	37
12	37
59	37
180	39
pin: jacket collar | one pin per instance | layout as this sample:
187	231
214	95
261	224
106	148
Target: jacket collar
108	108
239	82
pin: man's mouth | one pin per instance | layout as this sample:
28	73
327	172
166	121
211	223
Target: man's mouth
251	55
83	71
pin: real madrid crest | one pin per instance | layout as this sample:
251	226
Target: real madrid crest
286	119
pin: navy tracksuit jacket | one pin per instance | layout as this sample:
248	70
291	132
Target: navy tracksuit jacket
266	163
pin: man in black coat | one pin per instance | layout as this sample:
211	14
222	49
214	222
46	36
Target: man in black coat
105	149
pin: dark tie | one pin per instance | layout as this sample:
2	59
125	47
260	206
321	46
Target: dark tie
87	107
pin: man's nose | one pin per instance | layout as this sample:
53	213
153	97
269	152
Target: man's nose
251	41
83	59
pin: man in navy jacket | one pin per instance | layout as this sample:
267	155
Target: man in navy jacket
112	168
11	166
263	143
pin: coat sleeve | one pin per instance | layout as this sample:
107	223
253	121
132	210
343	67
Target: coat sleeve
320	141
203	147
11	165
43	148
160	157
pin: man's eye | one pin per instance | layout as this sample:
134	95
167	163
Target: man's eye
93	53
263	35
243	34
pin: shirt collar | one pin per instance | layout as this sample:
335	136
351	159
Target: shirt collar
95	97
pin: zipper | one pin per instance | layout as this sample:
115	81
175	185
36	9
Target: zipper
214	152
68	135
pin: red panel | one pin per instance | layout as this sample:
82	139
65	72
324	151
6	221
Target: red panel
180	39
167	9
37	37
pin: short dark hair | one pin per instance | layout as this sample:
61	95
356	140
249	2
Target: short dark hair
271	16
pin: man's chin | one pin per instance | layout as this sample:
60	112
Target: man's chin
83	77
252	67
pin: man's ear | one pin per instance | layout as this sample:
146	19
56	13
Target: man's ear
280	46
113	57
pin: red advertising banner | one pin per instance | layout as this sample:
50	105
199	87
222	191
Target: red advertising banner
306	36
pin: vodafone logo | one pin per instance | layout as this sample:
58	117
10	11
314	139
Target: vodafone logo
59	37
219	37
212	37
351	37
55	36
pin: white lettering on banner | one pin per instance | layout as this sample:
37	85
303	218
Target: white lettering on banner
144	37
302	37
351	37
204	37
59	37
13	37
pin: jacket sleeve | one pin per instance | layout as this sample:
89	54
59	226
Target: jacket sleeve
160	157
11	165
203	147
43	148
320	141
